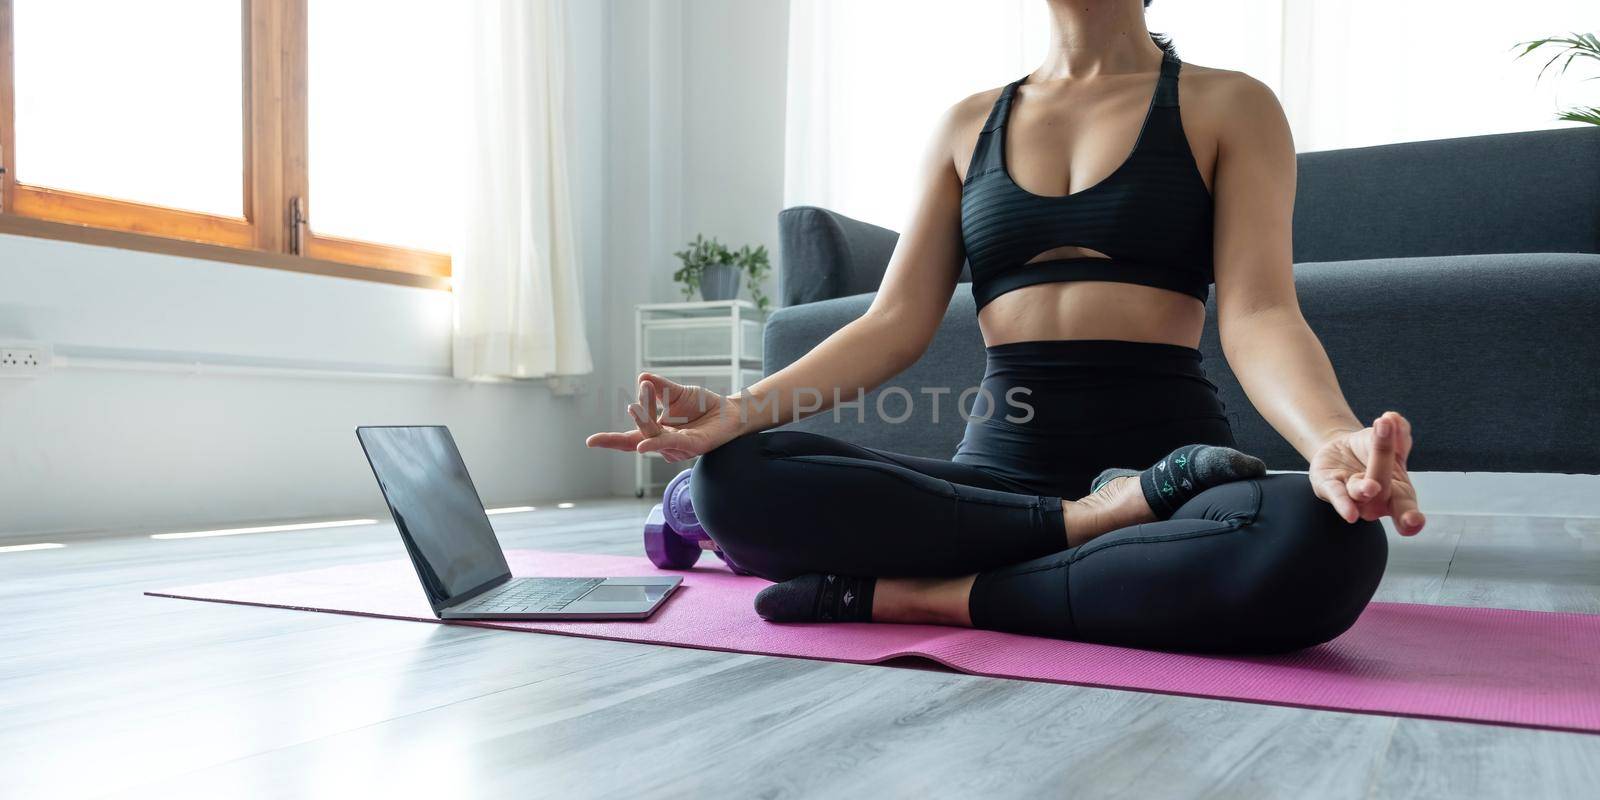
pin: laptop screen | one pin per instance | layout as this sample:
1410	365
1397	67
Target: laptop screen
436	509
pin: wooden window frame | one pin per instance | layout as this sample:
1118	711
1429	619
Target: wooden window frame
274	231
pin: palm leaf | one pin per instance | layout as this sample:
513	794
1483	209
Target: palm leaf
1572	46
1590	115
1568	48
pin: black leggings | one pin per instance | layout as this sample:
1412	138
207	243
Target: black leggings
1259	565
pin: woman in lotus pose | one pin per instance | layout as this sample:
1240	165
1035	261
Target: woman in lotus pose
1103	501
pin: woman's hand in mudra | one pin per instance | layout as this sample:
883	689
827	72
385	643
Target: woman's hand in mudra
1363	474
675	420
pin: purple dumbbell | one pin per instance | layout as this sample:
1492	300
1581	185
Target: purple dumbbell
673	538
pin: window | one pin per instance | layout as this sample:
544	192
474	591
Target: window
311	134
114	115
383	120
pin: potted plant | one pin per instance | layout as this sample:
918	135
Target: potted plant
1568	48
713	270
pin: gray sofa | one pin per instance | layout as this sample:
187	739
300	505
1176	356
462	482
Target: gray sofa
1456	281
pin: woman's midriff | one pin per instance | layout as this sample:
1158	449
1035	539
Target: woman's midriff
1052	414
1093	310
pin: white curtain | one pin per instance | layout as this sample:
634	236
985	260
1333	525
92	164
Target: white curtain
518	313
868	80
1378	71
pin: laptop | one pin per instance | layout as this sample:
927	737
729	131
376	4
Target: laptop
454	549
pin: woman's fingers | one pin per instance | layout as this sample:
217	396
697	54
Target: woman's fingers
681	404
628	441
647	425
1332	489
1373	484
654	404
652	408
1359	488
669	439
1408	519
667	391
658	381
1380	467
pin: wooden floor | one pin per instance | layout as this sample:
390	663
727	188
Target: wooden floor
105	691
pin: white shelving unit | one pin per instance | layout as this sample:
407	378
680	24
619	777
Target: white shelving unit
715	344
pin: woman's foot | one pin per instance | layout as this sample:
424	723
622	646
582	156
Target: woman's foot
1116	503
818	598
1122	497
842	598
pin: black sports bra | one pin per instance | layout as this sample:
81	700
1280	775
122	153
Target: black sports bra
1152	215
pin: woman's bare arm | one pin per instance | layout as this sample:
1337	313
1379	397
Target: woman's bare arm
681	422
1279	361
903	317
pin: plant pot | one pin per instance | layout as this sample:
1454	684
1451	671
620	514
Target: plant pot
719	282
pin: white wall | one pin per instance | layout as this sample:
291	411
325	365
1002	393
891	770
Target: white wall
735	55
124	447
694	144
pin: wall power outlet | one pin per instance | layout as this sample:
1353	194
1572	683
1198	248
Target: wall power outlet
23	359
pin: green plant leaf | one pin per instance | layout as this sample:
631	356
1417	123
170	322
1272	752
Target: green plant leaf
1572	46
1568	49
1590	115
753	263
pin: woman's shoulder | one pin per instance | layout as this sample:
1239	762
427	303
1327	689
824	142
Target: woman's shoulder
1227	90
971	111
1229	108
1225	101
959	127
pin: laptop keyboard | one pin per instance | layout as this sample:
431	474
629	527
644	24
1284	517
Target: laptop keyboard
532	595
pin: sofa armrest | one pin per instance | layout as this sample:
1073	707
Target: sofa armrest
823	254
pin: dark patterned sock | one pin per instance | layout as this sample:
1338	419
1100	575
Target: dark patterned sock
1107	476
1186	472
818	598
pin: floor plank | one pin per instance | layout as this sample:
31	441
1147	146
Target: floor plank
1534	563
1485	762
1418	564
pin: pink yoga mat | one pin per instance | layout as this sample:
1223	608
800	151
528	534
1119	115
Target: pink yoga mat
1528	668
